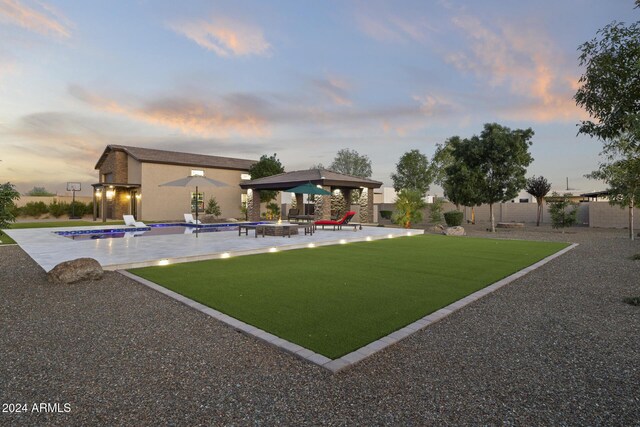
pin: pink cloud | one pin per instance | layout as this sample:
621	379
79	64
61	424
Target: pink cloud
189	116
523	60
46	21
336	89
388	27
225	37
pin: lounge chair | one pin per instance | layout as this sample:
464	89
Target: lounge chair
131	221
339	223
189	219
293	214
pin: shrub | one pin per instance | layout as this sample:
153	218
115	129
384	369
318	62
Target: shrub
409	205
453	218
435	211
58	209
273	210
213	208
633	300
636	257
77	209
8	194
564	212
386	214
34	209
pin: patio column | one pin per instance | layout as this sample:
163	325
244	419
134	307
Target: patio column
369	213
254	212
325	212
300	203
346	193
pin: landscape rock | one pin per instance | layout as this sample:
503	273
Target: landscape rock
454	231
75	271
438	228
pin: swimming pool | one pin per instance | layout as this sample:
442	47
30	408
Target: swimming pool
150	230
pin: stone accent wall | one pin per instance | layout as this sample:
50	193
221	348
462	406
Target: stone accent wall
366	205
253	206
117	164
323	206
338	204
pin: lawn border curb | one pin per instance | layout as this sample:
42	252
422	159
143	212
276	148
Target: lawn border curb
335	365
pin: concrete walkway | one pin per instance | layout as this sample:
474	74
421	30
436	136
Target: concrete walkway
49	249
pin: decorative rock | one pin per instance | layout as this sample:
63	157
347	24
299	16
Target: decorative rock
454	231
75	271
438	228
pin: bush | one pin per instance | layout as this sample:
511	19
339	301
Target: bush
453	218
58	209
8	194
633	300
435	211
213	208
273	210
34	209
386	214
77	209
564	212
409	205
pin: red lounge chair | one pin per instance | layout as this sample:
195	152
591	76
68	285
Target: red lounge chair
336	224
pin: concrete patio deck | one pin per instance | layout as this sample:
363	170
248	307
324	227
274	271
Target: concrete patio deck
49	249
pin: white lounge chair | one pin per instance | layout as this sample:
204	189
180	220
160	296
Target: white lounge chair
189	219
131	221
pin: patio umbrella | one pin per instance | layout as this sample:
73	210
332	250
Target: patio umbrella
309	188
198	181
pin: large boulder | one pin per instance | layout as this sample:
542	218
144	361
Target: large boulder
75	271
454	231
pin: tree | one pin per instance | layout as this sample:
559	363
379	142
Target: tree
317	166
489	168
610	85
8	194
266	166
621	172
409	205
350	162
563	211
538	188
39	191
443	158
413	172
213	208
435	211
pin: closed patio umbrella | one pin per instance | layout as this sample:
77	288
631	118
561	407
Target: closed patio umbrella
197	181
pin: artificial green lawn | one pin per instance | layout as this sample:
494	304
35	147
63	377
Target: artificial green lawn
335	299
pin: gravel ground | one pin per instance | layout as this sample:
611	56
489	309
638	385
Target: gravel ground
556	347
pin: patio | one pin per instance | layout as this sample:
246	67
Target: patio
49	249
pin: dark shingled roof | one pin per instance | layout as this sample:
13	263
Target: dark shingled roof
326	177
149	155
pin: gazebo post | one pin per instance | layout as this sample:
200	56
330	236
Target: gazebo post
254	214
326	204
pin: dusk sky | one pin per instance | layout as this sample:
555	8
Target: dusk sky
298	78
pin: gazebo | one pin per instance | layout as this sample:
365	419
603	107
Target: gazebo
326	179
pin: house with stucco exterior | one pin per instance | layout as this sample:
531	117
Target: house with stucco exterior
130	181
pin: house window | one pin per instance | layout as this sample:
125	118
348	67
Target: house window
199	200
107	177
524	200
245	176
197	172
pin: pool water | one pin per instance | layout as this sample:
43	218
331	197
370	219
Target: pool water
151	230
